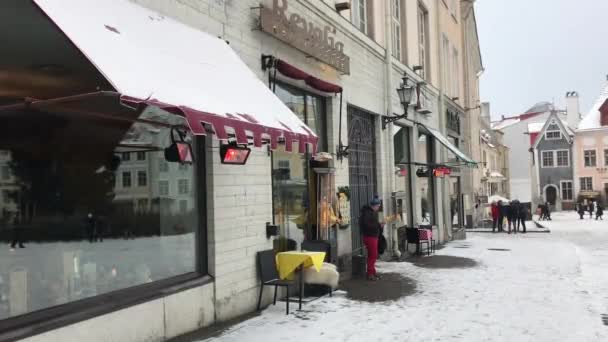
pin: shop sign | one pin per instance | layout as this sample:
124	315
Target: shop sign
293	29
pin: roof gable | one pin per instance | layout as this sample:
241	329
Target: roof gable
553	119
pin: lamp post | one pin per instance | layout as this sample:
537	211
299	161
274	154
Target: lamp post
405	92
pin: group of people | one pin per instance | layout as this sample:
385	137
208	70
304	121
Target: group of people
590	207
514	213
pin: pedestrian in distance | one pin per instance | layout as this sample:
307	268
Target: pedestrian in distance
502	215
522	216
494	211
541	212
581	210
547	211
513	215
600	212
591	208
371	228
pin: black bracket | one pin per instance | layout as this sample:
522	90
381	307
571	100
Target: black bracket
271	230
342	151
267	62
389	119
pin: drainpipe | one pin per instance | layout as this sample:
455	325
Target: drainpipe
388	104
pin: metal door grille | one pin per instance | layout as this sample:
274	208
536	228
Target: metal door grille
362	167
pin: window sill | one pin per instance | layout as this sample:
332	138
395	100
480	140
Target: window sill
38	322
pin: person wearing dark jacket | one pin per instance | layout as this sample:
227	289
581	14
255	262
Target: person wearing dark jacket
502	213
600	212
591	209
581	210
512	215
522	216
371	229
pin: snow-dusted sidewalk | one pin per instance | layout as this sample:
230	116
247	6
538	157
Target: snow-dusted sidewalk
524	287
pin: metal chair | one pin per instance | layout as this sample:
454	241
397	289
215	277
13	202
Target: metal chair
269	276
412	235
427	236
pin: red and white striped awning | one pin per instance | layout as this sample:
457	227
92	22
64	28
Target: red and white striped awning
153	60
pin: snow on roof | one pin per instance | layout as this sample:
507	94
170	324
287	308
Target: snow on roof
505	123
592	119
535	127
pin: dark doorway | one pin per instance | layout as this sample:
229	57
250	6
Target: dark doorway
551	194
362	167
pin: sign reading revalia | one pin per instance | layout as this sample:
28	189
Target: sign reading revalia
304	36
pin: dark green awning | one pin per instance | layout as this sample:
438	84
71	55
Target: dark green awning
445	142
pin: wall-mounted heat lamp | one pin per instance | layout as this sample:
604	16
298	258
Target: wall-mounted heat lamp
234	154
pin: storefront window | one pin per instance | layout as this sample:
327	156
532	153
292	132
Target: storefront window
425	187
455	202
401	145
290	170
69	230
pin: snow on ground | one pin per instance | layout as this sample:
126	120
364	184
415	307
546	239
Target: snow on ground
531	287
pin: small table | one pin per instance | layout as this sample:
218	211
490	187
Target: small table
288	262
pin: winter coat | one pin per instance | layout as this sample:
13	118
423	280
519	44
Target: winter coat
600	210
513	211
494	211
523	212
368	222
503	210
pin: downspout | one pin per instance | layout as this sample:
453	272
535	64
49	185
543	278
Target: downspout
388	104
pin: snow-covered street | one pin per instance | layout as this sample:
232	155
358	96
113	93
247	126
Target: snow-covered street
524	287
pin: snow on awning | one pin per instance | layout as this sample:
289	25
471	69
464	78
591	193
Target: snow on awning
445	142
153	60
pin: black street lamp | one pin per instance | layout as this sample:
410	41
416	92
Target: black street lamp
406	93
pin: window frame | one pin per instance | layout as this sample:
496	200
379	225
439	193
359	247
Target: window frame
558	130
139	178
606	157
557	164
594	158
423	40
54	317
542	158
358	6
571	189
456	71
584	188
122	179
396	29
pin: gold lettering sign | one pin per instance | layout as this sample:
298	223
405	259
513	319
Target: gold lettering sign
304	36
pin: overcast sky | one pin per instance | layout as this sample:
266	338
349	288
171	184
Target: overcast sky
536	50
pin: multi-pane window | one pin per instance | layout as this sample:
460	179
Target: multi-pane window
590	158
447	75
547	158
456	73
126	179
125	156
163	166
423	42
553	132
567	190
563	158
605	157
396	28
586	183
359	14
142	178
182	187
163	188
141	155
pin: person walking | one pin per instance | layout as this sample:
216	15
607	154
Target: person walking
371	229
522	216
512	215
600	212
17	233
494	211
502	214
547	211
591	208
581	210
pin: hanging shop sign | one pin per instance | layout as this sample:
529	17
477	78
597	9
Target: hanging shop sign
442	171
293	29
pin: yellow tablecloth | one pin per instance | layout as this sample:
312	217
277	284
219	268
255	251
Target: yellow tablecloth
287	262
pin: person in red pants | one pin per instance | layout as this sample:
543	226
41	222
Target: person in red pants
371	230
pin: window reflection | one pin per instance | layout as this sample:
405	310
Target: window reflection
424	185
88	206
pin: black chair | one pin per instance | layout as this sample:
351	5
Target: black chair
284	245
413	236
270	277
